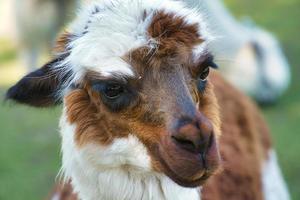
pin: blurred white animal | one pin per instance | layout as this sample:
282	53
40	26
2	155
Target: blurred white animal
38	22
250	57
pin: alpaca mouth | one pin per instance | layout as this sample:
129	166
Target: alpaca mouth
185	168
202	176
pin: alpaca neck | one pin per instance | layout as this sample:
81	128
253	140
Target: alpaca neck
122	184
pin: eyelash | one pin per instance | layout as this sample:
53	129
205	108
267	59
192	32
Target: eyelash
114	95
202	76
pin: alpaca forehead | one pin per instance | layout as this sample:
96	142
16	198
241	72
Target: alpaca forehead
108	30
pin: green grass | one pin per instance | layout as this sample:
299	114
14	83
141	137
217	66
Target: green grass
30	152
7	52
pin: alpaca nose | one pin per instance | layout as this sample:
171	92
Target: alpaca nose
194	135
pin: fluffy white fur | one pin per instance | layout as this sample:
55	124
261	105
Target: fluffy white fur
274	186
120	171
106	30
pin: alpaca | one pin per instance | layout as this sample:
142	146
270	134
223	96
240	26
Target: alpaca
145	115
246	50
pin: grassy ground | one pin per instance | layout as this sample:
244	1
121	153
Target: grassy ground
29	150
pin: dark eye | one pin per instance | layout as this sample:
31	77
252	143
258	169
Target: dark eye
204	74
116	96
113	91
201	82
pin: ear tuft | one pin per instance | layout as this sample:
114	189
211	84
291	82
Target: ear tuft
39	88
34	90
214	65
62	42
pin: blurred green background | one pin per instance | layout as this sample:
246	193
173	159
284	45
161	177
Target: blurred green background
30	152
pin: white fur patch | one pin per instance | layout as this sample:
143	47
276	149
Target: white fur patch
106	30
120	171
274	186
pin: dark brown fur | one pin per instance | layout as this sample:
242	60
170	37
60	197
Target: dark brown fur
244	145
173	33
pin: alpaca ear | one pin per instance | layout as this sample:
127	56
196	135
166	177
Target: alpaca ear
41	87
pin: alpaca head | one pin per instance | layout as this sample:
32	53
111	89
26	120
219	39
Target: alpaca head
133	77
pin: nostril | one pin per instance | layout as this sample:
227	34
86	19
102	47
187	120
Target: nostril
184	143
194	142
193	135
210	140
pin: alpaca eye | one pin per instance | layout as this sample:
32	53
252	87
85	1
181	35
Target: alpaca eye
113	91
204	74
201	83
115	95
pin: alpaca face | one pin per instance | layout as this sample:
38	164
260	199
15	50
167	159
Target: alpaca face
136	90
172	112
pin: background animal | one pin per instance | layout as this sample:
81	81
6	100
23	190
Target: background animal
137	101
246	50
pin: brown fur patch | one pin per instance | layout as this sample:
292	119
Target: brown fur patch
62	42
93	124
63	192
244	145
173	33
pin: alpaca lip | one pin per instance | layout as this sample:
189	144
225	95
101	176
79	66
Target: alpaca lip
191	183
203	158
186	168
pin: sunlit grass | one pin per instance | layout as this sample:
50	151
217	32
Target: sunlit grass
7	51
29	151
